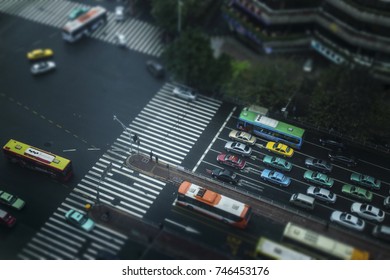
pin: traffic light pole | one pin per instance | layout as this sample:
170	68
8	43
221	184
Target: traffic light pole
125	129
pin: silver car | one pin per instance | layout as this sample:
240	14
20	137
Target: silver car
367	211
321	194
347	220
318	164
238	148
184	93
42	67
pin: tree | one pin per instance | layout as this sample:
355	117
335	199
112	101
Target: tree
269	83
191	13
190	59
348	100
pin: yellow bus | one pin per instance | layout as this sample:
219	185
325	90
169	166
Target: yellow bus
268	249
213	204
37	159
321	245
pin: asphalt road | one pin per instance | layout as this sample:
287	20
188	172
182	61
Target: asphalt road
70	112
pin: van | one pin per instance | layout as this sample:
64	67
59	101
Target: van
302	200
6	219
382	232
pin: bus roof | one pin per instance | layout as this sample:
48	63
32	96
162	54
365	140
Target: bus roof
278	251
36	154
88	16
324	243
212	198
257	118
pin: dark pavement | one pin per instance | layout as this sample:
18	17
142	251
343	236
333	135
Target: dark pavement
159	238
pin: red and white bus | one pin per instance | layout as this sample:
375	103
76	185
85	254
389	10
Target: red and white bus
214	204
39	160
84	25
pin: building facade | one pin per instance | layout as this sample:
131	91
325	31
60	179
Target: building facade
353	32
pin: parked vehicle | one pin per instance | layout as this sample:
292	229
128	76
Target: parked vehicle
318	164
39	54
279	148
367	211
231	160
6	219
11	200
275	177
79	220
243	137
382	232
321	194
225	175
318	178
357	192
347	220
43	67
238	148
342	157
366	181
277	163
155	69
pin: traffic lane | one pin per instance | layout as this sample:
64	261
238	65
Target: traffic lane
93	81
236	243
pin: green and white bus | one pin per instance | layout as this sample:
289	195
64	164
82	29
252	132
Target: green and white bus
253	120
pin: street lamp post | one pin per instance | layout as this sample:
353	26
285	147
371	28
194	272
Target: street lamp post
179	5
104	174
125	129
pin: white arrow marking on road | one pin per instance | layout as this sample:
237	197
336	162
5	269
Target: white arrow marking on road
186	228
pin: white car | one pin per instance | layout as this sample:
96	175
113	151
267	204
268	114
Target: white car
347	220
238	148
243	137
321	194
184	93
367	211
119	13
42	67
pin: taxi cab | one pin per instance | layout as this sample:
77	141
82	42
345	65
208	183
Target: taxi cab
39	53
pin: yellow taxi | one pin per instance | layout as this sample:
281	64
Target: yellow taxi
279	148
39	53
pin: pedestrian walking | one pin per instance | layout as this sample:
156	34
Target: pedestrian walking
151	154
156	159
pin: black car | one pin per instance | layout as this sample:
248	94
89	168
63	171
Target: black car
225	175
342	157
331	143
155	68
318	164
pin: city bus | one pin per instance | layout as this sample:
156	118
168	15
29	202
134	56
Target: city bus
255	122
321	245
36	159
84	25
268	249
213	204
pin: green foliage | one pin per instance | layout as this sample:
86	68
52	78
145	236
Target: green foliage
166	13
190	59
269	83
350	102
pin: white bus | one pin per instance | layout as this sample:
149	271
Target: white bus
321	245
84	25
269	249
214	204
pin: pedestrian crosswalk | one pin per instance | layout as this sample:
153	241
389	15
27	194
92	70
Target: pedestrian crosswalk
141	36
169	127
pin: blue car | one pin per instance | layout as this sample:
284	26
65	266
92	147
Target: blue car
275	177
80	220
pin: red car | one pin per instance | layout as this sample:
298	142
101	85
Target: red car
6	219
231	160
